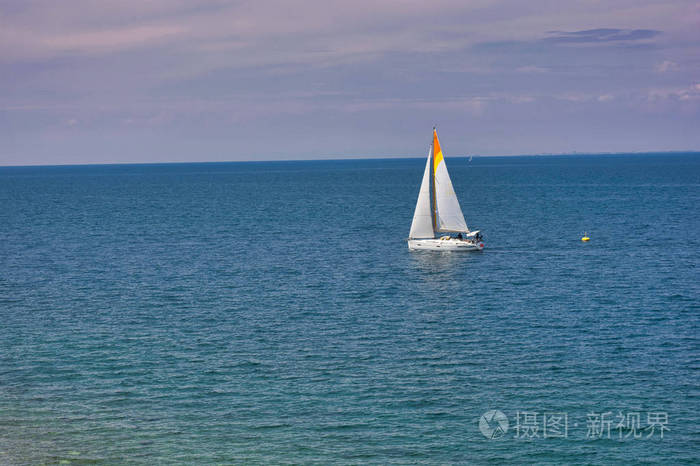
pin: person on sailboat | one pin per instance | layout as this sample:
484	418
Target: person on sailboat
459	237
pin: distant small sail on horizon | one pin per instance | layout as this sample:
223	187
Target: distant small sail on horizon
445	216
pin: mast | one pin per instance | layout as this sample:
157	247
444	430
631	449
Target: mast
433	211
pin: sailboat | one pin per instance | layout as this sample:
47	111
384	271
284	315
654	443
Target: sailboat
445	216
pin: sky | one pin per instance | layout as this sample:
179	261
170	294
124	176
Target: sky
175	80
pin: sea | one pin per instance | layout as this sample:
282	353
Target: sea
271	313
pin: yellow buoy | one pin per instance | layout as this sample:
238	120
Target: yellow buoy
585	237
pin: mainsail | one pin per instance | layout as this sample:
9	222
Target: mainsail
448	214
422	226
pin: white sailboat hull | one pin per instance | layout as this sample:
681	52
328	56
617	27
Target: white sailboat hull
452	244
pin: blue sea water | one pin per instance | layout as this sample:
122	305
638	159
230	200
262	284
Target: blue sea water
266	313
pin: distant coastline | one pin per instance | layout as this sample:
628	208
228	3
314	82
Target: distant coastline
364	158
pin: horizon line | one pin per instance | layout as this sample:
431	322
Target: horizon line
344	158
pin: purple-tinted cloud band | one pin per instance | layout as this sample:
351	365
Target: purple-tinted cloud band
88	81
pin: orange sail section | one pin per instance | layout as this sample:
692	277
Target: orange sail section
437	152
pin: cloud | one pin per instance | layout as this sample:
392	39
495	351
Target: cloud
590	38
666	66
583	97
471	105
598	36
110	39
257	33
684	94
531	69
521	99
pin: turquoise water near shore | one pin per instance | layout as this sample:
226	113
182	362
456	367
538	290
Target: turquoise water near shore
271	313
